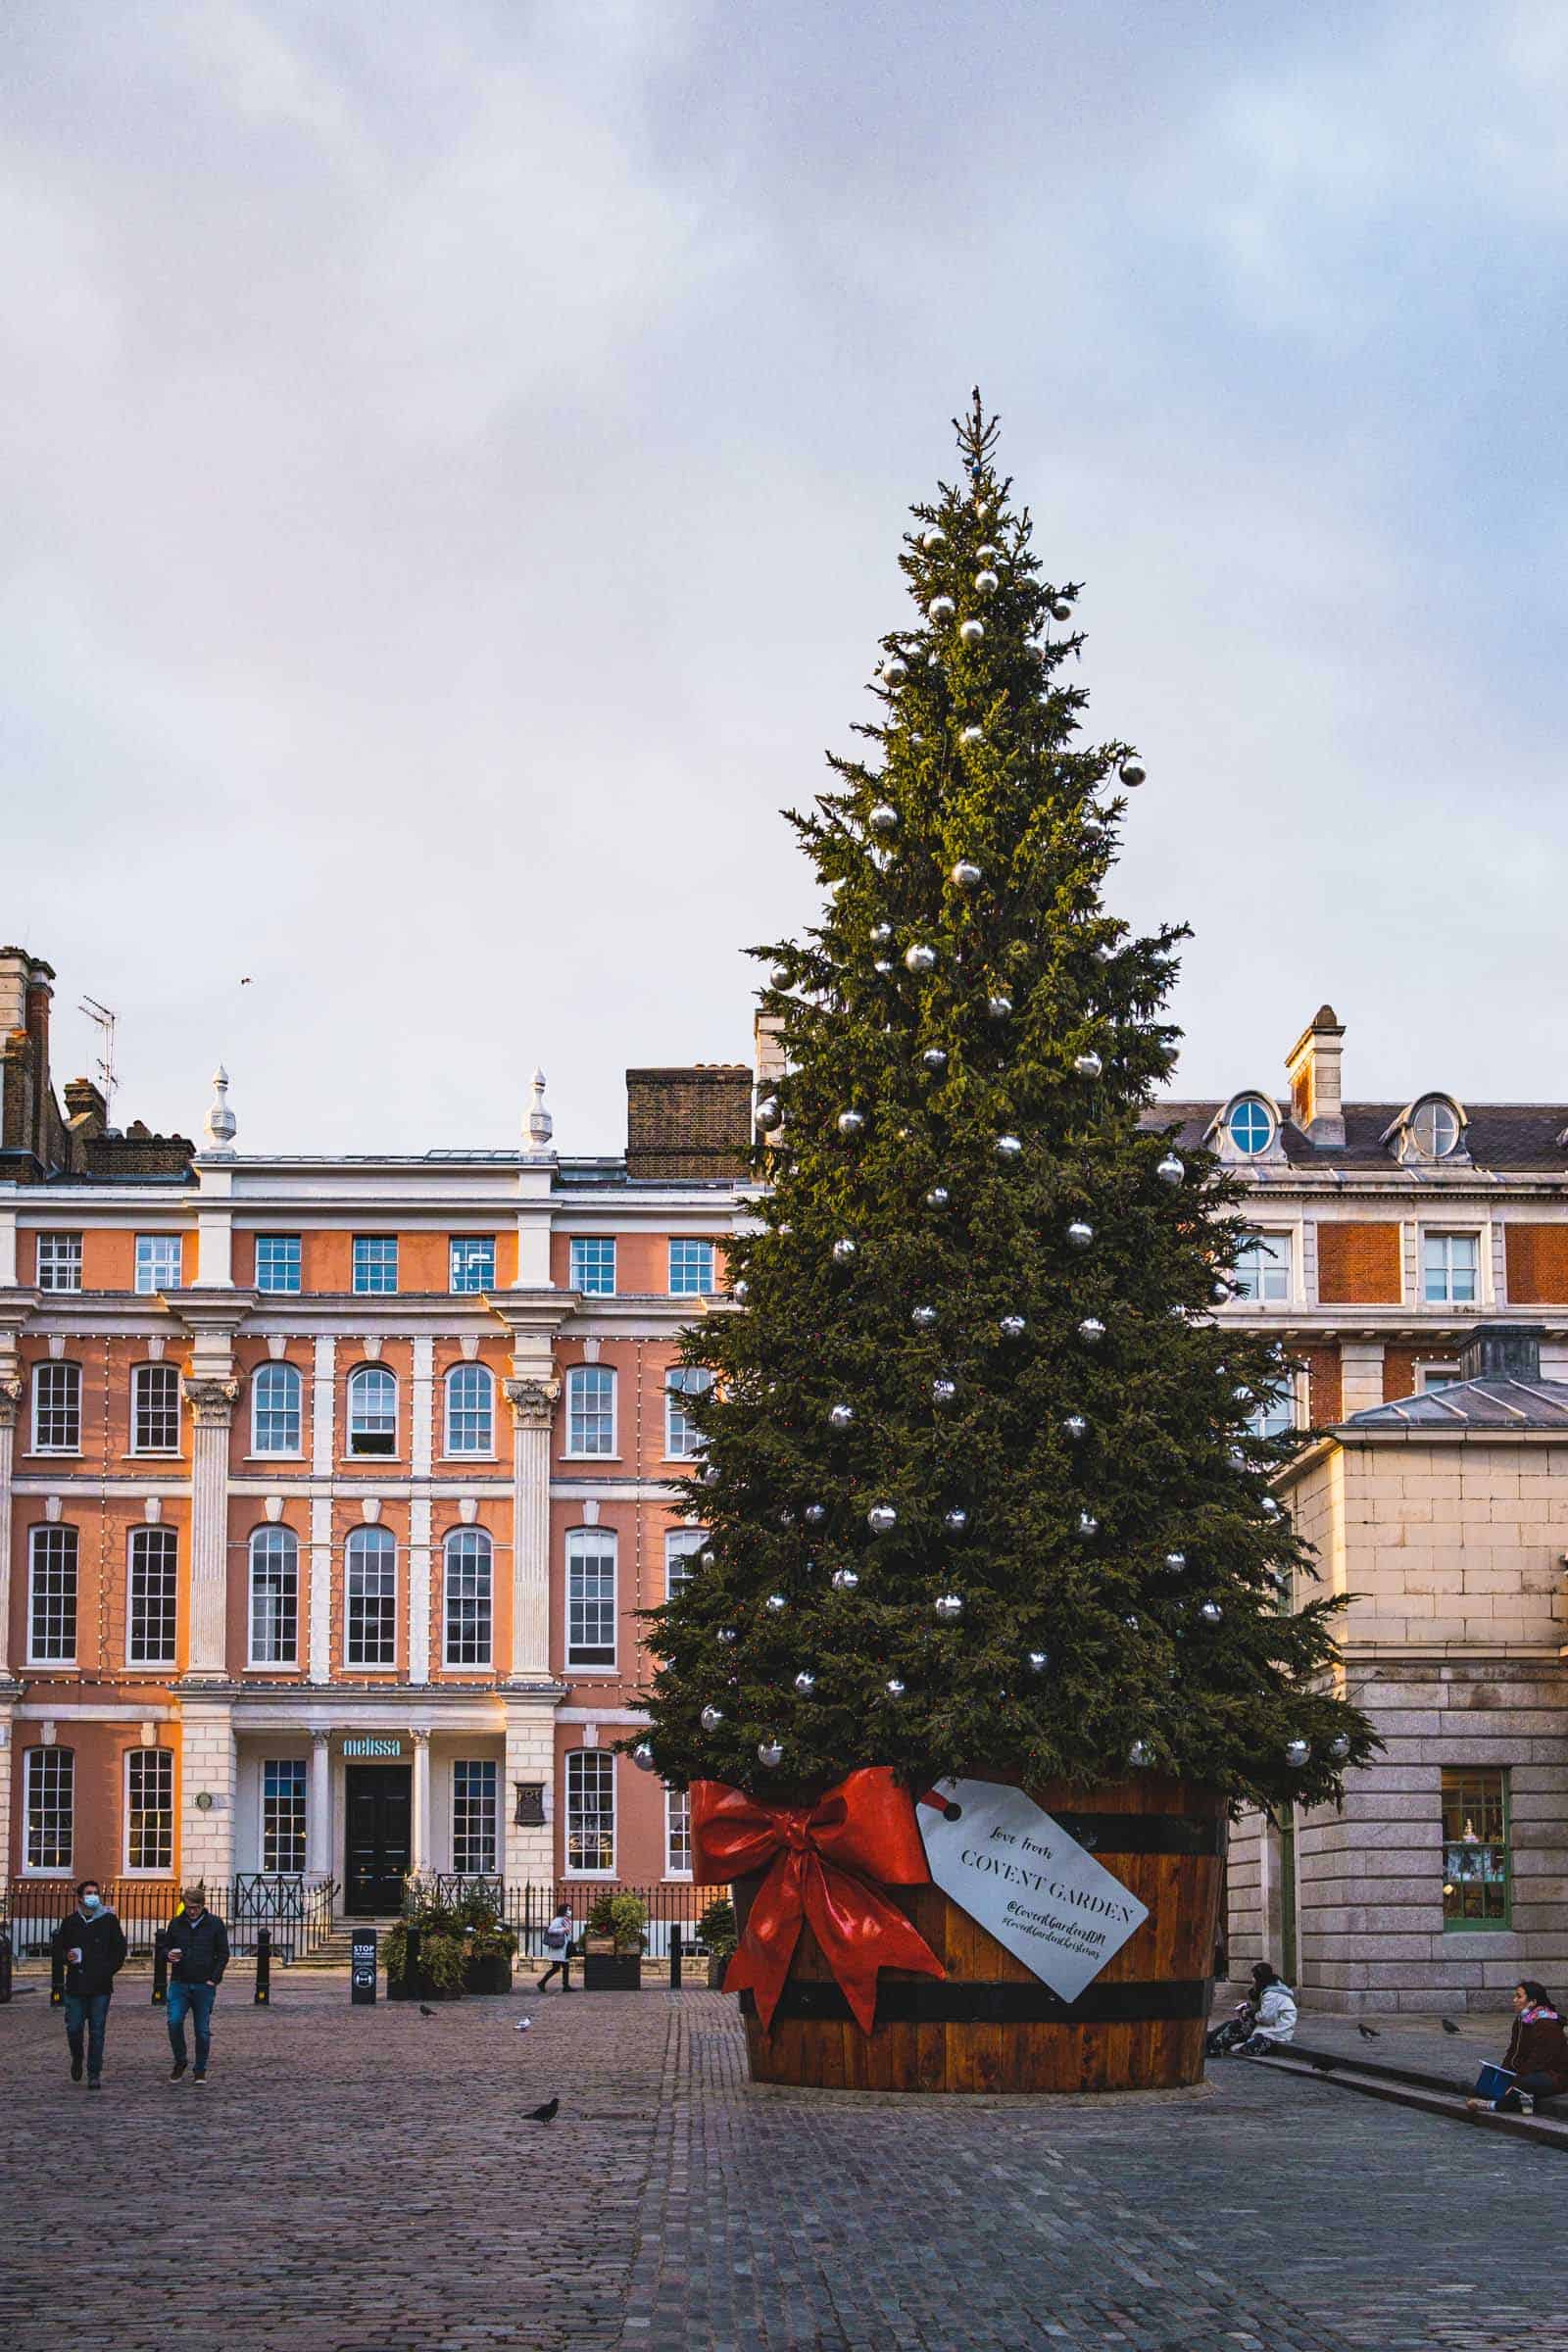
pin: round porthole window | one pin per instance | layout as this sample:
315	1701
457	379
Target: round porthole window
1434	1125
1250	1126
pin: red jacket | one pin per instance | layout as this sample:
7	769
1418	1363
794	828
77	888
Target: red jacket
1539	2047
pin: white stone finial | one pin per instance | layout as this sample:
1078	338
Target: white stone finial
221	1125
538	1126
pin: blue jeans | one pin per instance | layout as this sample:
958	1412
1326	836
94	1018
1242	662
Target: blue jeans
89	2010
198	1999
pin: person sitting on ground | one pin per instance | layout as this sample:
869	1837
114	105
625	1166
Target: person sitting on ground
1275	2006
1245	2022
1536	2055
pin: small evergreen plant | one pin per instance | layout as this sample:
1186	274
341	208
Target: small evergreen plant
981	1485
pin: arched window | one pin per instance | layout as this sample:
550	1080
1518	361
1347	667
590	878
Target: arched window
150	1811
276	1409
52	1596
681	1547
372	1410
470	1410
468	1598
591	1813
1250	1124
682	1438
153	1599
1435	1127
370	1598
49	1806
155	1408
590	1409
275	1612
57	1408
591	1597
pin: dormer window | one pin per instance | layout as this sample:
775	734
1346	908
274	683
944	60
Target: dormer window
1435	1127
1250	1124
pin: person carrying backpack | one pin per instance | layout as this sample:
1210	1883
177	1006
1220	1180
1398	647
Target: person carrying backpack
558	1943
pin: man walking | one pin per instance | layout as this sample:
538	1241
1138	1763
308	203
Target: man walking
197	1943
93	1945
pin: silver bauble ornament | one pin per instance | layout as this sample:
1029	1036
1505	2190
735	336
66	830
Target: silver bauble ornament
851	1122
881	933
768	1113
1104	952
948	1607
1131	1623
919	957
779	977
1175	1561
805	1683
894	1688
882	967
840	1416
1061	612
966	875
1079	1234
934	1059
987	553
843	1249
895	672
999	1008
642	1755
923	1317
956	1520
1219	1293
932	539
884	818
770	1751
943	1389
1037	1660
1132	772
1269	1507
971	632
739	1290
1139	1755
814	1514
1012	1327
881	858
707	1560
1088	1066
986	582
971	735
941	607
712	1718
710	1474
1340	1749
845	1580
1171	1170
786	1517
1076	1428
1297	1753
937	1197
882	1518
775	1604
1088	1524
1238	1458
1008	1146
1090	1331
1210	1613
725	1634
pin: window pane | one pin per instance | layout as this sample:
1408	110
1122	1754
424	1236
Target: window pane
150	1810
682	1438
277	1407
678	1834
681	1547
283	1816
58	1261
468	1598
278	1261
371	1633
1450	1265
158	1261
470	1410
274	1597
590	1810
375	1263
473	1263
1251	1127
474	1819
1263	1267
372	1410
154	1596
590	1409
590	1597
691	1269
57	1408
155	1408
52	1596
1474	1847
50	1804
593	1266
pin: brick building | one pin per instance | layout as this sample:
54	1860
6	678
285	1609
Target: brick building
333	1488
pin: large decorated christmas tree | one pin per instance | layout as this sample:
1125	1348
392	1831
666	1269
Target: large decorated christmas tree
982	1486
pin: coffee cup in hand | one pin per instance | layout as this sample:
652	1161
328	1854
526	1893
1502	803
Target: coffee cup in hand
74	1955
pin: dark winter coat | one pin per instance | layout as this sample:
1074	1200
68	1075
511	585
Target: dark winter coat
101	1940
1538	2045
203	1948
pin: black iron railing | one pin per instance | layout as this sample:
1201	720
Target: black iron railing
297	1912
35	1907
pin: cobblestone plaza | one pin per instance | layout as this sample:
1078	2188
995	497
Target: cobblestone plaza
364	2181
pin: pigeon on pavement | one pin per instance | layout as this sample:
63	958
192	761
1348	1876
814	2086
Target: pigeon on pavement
524	2024
425	2010
1448	2024
546	2114
1368	2032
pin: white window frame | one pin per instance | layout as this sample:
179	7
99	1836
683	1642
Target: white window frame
299	1776
599	1544
598	1757
1249	1102
136	1756
154	1246
281	1290
687	1290
55	1237
587	1375
367	1290
379	1543
456	1376
30	1759
464	1241
1451	1373
287	1543
681	1544
480	1765
278	1369
693	1381
153	1376
367	1375
50	1530
55	1367
1290	1402
1265	1237
164	1541
1448	1234
593	1241
677	1798
457	1545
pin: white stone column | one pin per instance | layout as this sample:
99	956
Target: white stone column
421	1387
318	1814
211	1403
10	1401
208	1768
419	1589
529	1851
533	1404
322	1570
420	1860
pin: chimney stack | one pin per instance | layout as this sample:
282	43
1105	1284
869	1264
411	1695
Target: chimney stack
1313	1066
1502	1351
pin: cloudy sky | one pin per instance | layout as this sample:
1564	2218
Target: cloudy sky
454	461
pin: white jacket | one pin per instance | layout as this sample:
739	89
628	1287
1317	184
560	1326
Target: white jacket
1276	2013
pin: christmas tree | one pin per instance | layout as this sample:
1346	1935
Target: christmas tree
980	1480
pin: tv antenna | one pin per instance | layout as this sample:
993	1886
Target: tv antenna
107	1077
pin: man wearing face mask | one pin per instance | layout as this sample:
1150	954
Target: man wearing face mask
197	1943
92	1942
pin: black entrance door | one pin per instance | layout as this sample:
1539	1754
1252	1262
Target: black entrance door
380	1808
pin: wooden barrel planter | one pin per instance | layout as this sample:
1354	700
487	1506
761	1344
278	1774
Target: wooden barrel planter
991	2025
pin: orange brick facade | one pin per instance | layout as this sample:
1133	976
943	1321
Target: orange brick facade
1358	1265
1538	1264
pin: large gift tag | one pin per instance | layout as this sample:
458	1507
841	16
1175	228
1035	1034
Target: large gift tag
995	1853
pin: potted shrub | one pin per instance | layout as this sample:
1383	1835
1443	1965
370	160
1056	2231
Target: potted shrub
612	1946
718	1936
490	1946
438	1972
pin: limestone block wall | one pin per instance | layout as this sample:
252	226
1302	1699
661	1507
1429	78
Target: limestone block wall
530	1756
208	1766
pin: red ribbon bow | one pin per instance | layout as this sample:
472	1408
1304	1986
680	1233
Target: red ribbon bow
824	1859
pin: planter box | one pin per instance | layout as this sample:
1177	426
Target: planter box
716	1972
612	1971
419	1988
487	1975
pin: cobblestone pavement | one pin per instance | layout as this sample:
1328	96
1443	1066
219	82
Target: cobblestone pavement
363	2181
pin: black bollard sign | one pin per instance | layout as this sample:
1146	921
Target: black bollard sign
361	1966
